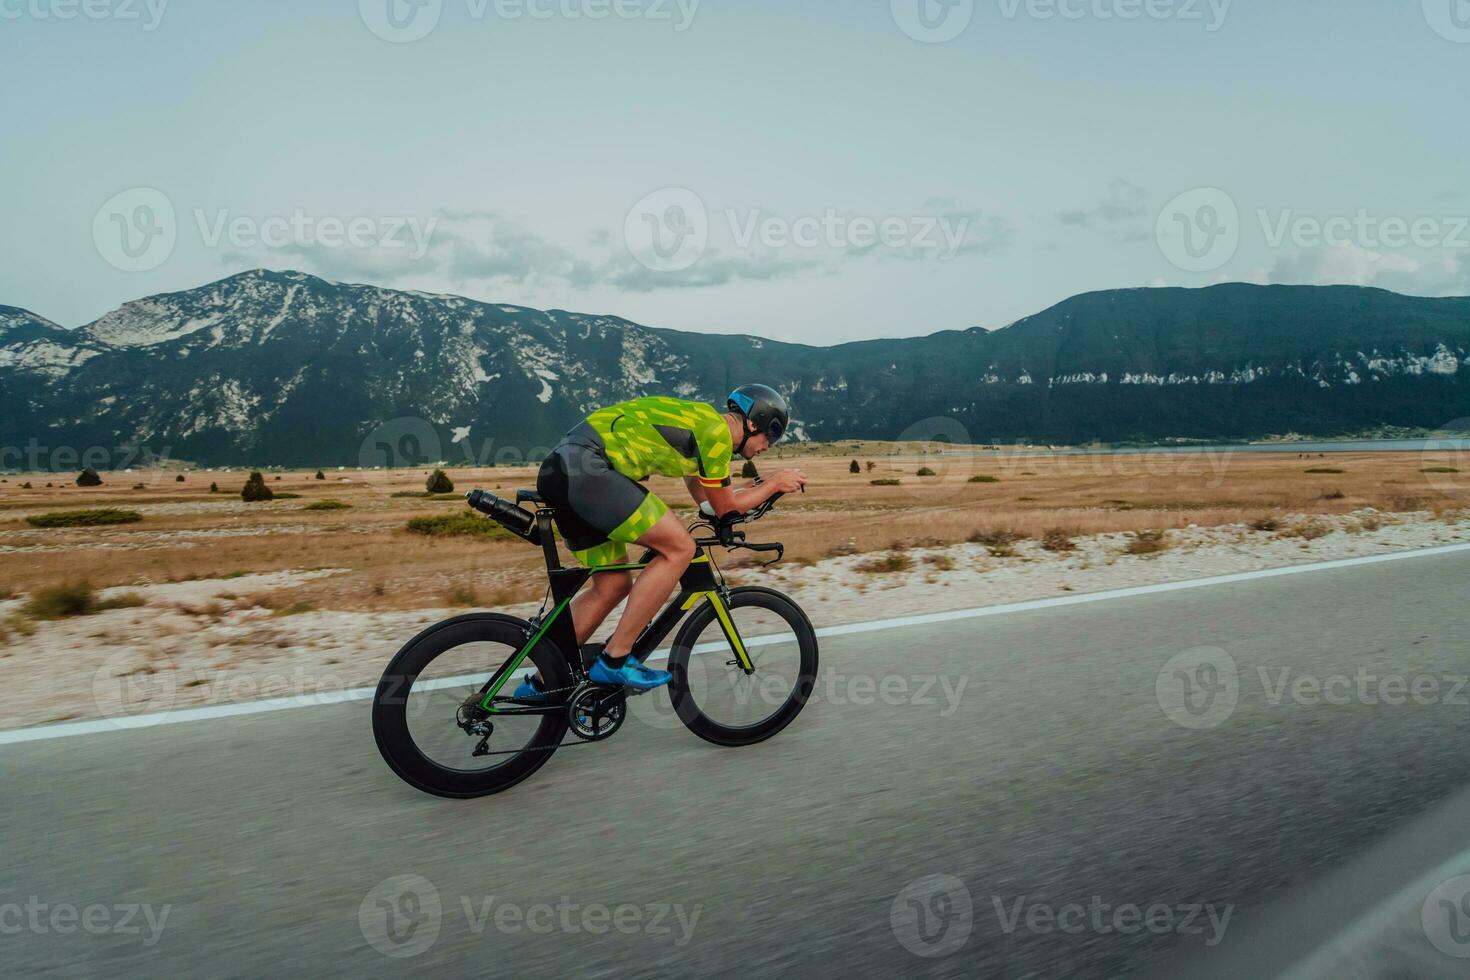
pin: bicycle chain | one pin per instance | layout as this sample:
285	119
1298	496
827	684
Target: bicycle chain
545	748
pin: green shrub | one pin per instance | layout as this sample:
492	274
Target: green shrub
255	489
467	523
1265	524
61	601
925	471
1440	469
1058	539
999	541
214	488
461	595
76	599
1310	530
887	482
1325	469
439	482
320	475
748	471
981	478
287	495
84	518
88	478
179	478
893	561
853	467
408	493
327	505
1147	543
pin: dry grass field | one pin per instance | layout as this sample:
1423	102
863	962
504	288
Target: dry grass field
188	597
187	533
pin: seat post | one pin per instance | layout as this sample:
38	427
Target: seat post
548	539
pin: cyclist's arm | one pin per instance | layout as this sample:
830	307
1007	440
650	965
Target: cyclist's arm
726	500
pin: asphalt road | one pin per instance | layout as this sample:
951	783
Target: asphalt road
1012	793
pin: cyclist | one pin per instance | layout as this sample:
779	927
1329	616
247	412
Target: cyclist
593	477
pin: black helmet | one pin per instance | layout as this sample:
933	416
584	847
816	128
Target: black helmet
763	406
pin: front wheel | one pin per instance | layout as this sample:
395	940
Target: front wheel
714	697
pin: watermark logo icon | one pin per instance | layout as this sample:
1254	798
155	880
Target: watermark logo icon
668	230
396	446
1445	917
1198	688
136	229
932	21
1450	19
932	917
123	688
401	916
940	448
1199	231
400	21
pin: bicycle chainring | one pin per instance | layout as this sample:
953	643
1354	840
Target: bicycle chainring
596	712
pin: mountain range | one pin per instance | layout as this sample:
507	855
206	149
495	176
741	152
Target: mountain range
286	368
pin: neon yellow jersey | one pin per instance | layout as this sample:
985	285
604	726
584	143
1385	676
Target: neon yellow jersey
666	436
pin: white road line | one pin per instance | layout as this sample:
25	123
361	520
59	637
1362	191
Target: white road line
104	725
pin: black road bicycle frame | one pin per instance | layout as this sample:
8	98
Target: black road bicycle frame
698	582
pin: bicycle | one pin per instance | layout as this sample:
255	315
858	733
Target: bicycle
442	702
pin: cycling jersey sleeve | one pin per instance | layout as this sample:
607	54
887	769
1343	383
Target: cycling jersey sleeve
715	451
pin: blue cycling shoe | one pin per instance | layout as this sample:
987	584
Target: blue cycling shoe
530	690
631	675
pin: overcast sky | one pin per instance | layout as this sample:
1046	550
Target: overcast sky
816	171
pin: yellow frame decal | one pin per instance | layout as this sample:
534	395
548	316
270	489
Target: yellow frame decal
727	625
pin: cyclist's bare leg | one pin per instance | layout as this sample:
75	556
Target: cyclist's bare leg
591	607
674	549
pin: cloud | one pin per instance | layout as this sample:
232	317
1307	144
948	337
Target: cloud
1439	274
1119	213
712	269
462	248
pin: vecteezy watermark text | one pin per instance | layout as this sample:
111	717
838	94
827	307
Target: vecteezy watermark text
136	230
1210	13
937	21
1103	918
98	919
405	21
152	10
1201	230
670	229
326	231
1200	688
34	457
402	916
933	916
